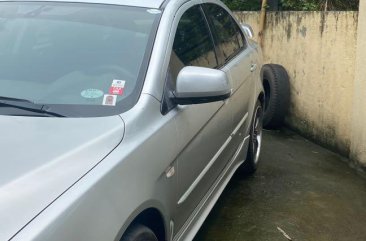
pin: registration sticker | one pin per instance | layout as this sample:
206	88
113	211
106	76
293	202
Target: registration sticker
110	100
118	83
115	91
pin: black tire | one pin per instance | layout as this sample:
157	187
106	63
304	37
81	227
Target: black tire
138	232
277	95
255	141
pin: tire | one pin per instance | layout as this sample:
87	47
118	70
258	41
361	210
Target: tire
139	232
255	140
277	95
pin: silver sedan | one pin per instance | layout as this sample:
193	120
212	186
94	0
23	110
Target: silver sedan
122	119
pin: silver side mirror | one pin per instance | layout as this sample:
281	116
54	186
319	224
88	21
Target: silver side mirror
196	85
248	30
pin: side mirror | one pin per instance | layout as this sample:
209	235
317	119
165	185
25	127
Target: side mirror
248	30
197	85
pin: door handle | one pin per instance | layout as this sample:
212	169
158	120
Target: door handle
253	67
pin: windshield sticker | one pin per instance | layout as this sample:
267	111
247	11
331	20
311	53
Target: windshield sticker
116	91
118	83
153	11
117	87
110	100
92	93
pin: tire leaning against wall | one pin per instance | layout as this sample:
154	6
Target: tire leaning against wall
277	95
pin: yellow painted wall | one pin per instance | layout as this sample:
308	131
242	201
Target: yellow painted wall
319	52
358	138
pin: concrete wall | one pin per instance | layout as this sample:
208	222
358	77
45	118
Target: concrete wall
358	138
319	52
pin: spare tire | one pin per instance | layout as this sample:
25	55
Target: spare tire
277	95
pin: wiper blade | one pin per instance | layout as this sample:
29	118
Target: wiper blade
26	105
14	99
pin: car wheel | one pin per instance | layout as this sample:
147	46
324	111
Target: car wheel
277	95
255	140
139	232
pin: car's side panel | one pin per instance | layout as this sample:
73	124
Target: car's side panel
200	136
245	90
198	216
202	131
241	140
240	75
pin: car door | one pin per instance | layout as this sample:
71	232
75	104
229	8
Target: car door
203	129
236	57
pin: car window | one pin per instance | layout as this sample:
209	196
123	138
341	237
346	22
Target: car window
85	58
193	45
227	34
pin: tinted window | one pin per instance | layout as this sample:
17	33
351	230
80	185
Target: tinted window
192	43
226	32
68	55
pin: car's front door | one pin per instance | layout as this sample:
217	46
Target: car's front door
204	130
236	57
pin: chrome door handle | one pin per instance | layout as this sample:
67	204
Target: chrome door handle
253	67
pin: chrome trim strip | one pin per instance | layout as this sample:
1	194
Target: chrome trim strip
239	125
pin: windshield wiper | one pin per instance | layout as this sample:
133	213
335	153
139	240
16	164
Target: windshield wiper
26	105
5	98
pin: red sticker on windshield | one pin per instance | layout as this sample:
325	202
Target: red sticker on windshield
116	90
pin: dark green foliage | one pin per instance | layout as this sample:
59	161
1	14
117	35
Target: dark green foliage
243	5
320	5
296	5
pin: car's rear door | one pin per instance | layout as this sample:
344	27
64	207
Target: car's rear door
204	130
236	58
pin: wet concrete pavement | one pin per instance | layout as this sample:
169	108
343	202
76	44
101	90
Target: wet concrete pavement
305	190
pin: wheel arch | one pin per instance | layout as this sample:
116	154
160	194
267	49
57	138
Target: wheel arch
154	220
150	217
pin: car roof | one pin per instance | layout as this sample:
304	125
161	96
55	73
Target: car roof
135	3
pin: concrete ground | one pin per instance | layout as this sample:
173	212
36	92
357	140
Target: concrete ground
305	190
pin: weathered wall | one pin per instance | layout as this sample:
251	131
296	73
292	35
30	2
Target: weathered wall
358	138
318	51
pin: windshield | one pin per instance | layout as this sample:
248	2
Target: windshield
78	59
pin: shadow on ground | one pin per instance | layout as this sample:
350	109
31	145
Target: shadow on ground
305	190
